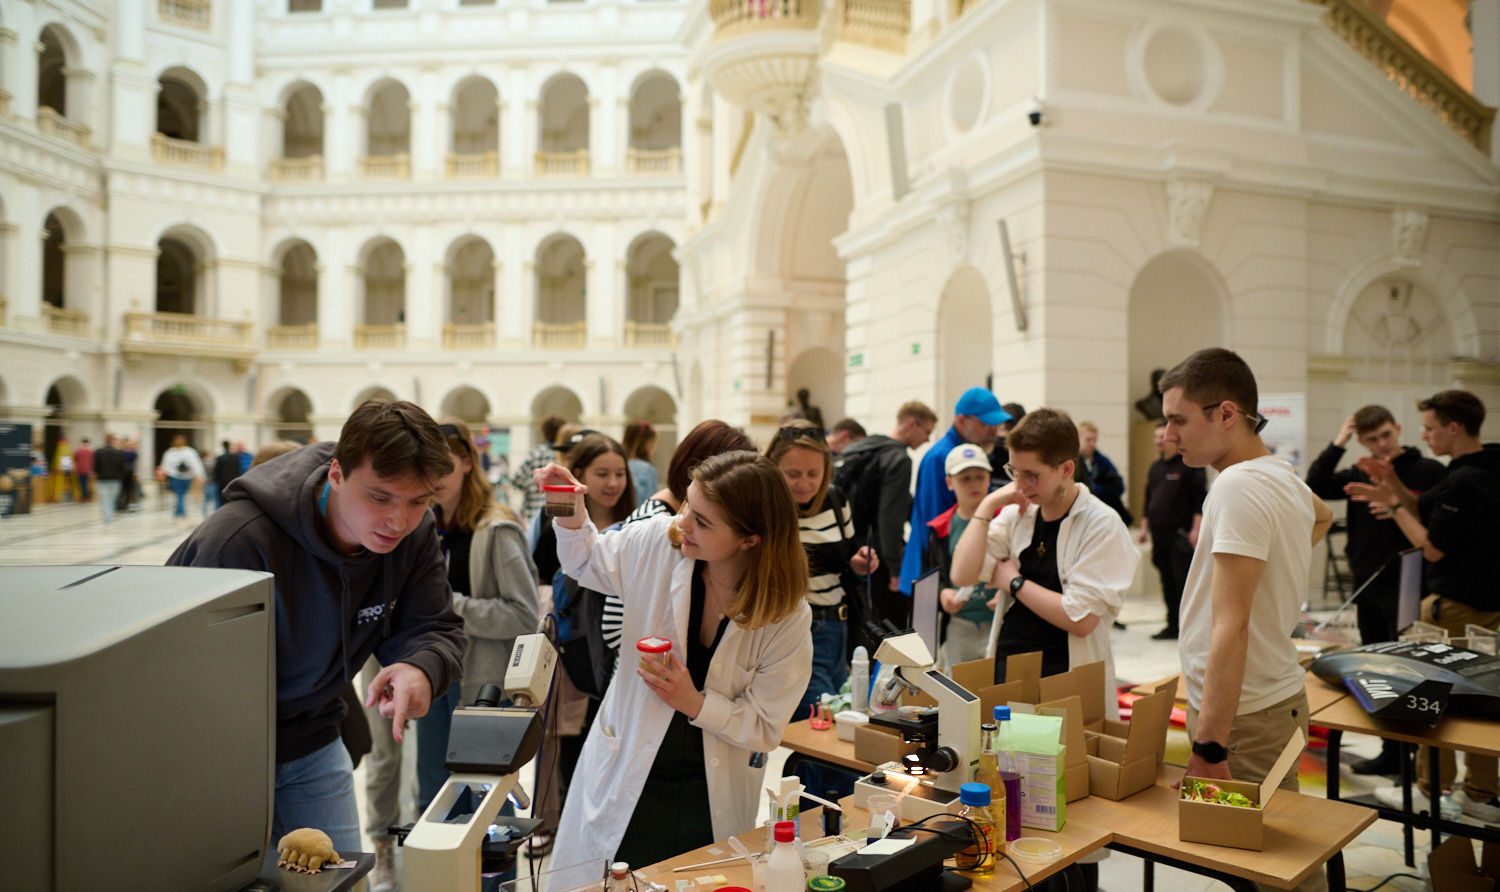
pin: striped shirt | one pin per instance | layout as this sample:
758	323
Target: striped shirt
828	537
614	609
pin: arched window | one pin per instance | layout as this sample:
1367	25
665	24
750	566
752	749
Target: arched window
51	77
561	287
652	282
476	130
54	264
383	326
301	137
388	134
564	127
297	319
176	277
178	109
471	296
655	126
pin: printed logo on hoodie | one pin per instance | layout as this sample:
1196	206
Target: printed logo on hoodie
370	614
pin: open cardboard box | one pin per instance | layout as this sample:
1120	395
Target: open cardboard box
878	744
1123	756
1236	826
1453	868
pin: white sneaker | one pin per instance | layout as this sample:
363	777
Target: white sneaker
383	877
1488	812
1390	797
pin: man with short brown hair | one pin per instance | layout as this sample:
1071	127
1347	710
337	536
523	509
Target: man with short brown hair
346	531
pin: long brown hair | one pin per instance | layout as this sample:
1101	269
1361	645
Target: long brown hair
586	452
476	501
752	494
710	437
640	439
802	434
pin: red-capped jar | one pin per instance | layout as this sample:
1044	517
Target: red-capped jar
655	648
561	500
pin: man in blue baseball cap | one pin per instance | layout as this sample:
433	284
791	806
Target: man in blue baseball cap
977	417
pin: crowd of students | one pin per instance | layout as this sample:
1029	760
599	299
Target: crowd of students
760	565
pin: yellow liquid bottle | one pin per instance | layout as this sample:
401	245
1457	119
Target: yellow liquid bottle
979	858
989	775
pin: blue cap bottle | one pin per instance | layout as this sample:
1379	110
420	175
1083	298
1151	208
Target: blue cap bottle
1002	713
974	794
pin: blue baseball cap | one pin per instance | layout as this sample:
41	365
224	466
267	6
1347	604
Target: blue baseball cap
981	404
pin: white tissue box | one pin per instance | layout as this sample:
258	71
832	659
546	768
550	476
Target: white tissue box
847	721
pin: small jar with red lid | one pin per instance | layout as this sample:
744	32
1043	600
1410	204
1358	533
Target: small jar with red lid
655	648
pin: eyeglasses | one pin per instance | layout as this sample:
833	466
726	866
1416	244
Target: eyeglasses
449	430
1025	477
1260	420
792	434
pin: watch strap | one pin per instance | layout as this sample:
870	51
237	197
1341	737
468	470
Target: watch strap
1015	584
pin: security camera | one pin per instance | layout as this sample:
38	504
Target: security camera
1037	112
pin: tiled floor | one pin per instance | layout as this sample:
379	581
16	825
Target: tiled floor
76	534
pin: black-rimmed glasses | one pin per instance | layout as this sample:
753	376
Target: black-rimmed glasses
792	434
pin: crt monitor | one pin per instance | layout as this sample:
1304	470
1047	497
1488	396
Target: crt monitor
137	727
925	609
1409	597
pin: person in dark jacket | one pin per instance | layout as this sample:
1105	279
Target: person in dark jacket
226	469
874	474
1099	472
1171	516
345	529
1456	523
110	472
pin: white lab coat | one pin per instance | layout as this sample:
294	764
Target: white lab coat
1096	563
755	683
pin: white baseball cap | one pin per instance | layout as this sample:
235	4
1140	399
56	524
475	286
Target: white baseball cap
965	456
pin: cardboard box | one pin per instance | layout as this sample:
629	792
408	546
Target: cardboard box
1075	749
1453	869
1036	742
1237	826
1123	756
878	744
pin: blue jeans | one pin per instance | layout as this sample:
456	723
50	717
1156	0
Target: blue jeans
829	671
109	494
317	790
180	487
210	497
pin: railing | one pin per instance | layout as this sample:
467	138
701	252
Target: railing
657	161
188	13
180	151
647	335
468	336
292	337
187	328
50	123
564	336
1411	72
882	24
733	17
380	337
486	164
65	322
385	167
562	163
297	170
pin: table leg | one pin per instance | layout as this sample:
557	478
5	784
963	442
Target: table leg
1148	876
1335	737
1435	791
1335	868
1408	835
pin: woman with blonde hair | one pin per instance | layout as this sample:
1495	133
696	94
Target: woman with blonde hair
668	765
834	559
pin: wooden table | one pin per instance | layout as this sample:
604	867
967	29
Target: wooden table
1321	694
824	746
1301	834
1453	732
1076	838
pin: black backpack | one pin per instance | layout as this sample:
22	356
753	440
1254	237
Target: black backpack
589	662
863	500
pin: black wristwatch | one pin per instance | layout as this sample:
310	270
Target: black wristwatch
1211	752
1015	584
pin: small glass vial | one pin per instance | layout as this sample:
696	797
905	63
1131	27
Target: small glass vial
561	500
619	878
978	859
655	648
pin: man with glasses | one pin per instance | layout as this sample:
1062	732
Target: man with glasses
1245	689
977	417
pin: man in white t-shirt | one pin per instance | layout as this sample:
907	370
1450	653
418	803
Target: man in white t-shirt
1248	578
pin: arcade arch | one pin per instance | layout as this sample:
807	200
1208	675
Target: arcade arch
965	341
655	125
298	303
468	404
181	101
555	400
652	281
384	303
302	126
293	416
476	118
563	126
561	288
471	282
179	411
388	121
654	405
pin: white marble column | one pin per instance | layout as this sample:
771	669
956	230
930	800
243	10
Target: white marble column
516	111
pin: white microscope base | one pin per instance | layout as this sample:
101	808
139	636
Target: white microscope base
447	857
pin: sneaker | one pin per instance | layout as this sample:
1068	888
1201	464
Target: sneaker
540	843
1486	811
1167	634
1385	763
383	877
1390	797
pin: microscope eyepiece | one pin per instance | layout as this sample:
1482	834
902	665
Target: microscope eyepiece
489	695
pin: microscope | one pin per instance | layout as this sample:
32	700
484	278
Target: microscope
947	735
487	747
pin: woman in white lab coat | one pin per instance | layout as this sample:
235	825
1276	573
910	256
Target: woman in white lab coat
669	763
1071	553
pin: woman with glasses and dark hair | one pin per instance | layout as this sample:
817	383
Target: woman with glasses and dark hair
1060	558
834	560
671	761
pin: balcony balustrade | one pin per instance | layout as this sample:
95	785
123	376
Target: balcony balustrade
297	170
468	336
168	150
188	329
559	336
484	164
380	337
292	337
50	123
654	161
187	13
65	322
575	163
763	57
385	167
649	336
883	24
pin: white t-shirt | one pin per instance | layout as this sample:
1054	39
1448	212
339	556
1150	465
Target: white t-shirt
1260	509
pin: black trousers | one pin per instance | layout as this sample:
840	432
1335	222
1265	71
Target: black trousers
1172	556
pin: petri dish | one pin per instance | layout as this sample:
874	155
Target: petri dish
1035	850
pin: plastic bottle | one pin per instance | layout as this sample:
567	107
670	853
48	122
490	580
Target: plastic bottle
619	877
974	804
1010	773
859	680
989	775
784	866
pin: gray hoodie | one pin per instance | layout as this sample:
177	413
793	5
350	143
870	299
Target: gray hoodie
332	609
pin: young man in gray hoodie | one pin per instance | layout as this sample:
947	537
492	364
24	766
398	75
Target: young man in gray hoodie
345	529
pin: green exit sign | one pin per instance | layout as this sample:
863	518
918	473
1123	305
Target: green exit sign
856	360
916	348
